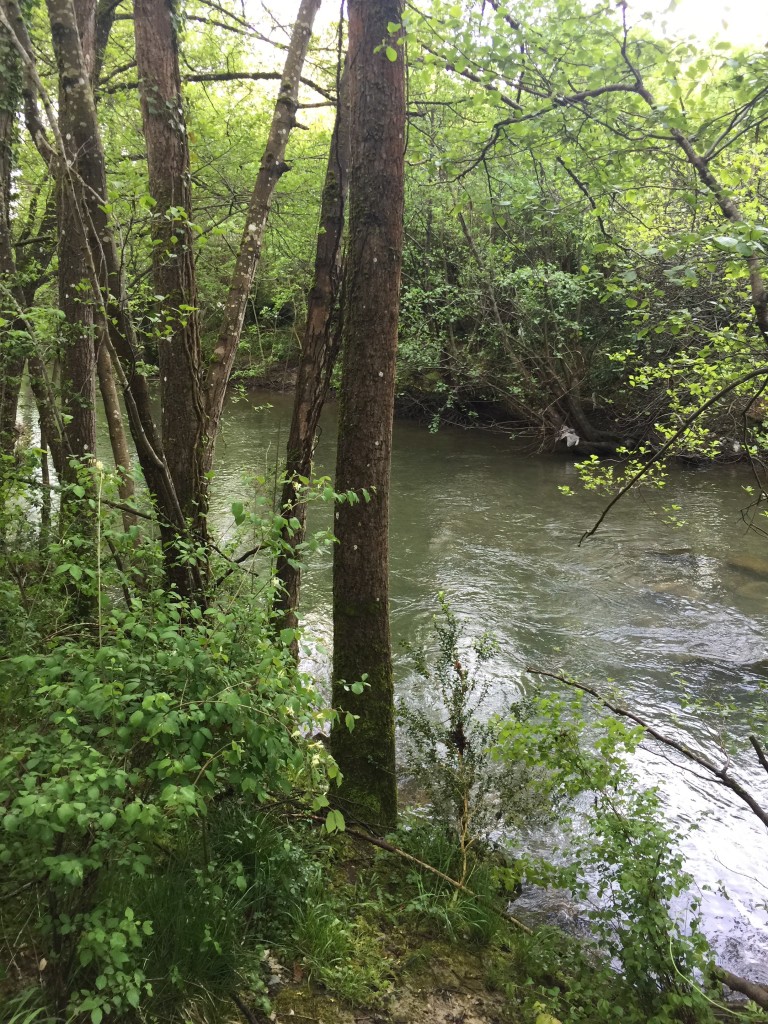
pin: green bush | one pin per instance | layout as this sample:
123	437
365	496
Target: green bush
122	740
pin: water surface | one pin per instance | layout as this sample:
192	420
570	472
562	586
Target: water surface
663	615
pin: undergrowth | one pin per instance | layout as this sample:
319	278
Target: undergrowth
160	783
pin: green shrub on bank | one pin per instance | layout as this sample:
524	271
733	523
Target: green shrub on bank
488	780
123	737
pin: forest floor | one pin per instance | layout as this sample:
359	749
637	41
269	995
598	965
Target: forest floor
409	968
435	983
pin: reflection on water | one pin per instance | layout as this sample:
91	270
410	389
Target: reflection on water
674	619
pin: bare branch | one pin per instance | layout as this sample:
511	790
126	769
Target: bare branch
759	750
717	774
761	371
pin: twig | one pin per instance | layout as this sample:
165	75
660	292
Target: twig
761	371
720	775
382	844
248	1014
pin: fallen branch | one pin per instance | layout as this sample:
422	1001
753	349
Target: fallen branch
382	844
757	993
249	1015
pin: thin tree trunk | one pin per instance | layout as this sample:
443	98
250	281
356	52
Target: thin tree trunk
181	396
11	351
121	453
272	167
362	647
319	349
78	385
51	432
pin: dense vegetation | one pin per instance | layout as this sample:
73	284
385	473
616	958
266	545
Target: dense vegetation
560	213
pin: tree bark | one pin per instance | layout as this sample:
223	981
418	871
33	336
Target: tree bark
118	440
319	349
180	359
272	167
51	432
11	350
72	24
107	285
362	646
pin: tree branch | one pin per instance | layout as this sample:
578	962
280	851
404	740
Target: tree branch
761	371
719	775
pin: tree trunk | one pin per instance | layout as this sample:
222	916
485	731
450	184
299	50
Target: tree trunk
106	278
319	349
11	350
271	169
117	438
173	266
76	302
51	431
362	646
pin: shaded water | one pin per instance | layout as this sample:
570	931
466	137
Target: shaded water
667	615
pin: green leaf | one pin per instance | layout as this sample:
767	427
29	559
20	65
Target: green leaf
391	53
334	822
132	812
65	813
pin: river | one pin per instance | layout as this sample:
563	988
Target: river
673	618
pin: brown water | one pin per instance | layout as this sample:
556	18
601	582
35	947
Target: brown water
665	615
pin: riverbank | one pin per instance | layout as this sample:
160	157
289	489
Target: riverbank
435	406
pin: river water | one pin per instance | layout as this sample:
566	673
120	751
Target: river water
673	618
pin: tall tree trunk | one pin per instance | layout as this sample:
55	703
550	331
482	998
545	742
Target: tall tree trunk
11	350
106	278
362	647
76	302
21	272
320	346
94	45
183	410
272	167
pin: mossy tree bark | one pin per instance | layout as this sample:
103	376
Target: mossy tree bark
11	350
106	278
362	646
173	265
73	31
319	349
